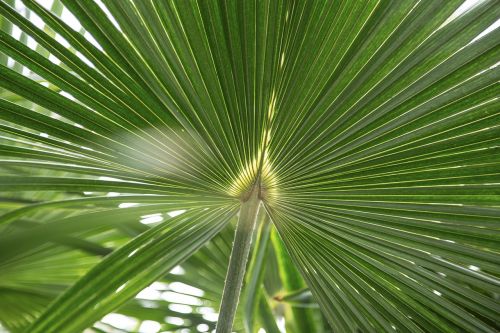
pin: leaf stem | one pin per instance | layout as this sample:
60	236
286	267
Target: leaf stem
238	261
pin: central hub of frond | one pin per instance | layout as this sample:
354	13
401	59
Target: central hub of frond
258	172
255	174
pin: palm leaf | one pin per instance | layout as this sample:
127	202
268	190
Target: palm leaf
366	132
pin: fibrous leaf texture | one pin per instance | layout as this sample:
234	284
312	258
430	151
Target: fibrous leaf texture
371	130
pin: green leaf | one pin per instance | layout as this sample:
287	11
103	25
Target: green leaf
147	257
370	129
